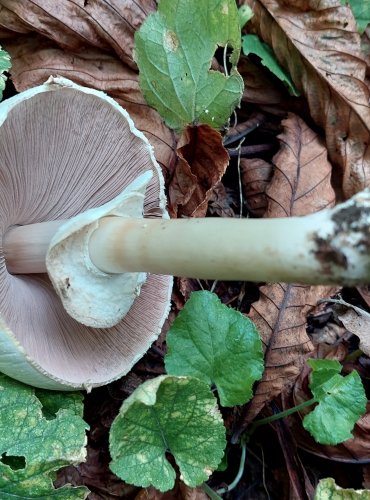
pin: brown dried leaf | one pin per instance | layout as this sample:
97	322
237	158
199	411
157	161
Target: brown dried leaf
74	26
300	185
202	161
259	87
318	43
221	201
256	175
35	58
358	323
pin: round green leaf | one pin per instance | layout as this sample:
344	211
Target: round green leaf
174	49
342	400
178	415
217	344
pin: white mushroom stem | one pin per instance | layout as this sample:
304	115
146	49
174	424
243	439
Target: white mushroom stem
332	246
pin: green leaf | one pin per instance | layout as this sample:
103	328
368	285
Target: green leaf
361	12
328	490
217	344
342	400
253	45
245	15
5	65
178	415
174	49
46	445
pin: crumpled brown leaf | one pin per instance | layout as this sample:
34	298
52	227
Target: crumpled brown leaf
202	161
319	45
222	201
35	58
300	185
76	25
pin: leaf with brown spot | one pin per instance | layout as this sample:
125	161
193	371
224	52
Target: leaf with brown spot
202	161
35	58
317	42
300	185
75	26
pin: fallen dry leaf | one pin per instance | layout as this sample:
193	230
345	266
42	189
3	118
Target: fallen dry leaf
300	185
222	201
202	161
256	175
260	88
35	58
357	321
74	26
319	45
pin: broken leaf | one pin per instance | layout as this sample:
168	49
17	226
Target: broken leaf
328	490
178	415
300	185
174	49
34	447
202	161
217	344
252	44
318	44
342	400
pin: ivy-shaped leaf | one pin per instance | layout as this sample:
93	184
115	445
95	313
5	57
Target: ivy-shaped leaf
342	400
252	44
33	447
217	344
174	49
178	415
5	65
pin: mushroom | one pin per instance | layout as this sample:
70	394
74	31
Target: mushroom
66	149
97	256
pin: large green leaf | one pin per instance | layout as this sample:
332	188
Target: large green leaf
254	45
342	400
34	447
174	49
328	490
217	344
178	415
5	65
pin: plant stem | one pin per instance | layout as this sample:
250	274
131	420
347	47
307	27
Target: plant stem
212	494
239	474
278	416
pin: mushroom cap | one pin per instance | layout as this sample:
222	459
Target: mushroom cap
65	149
